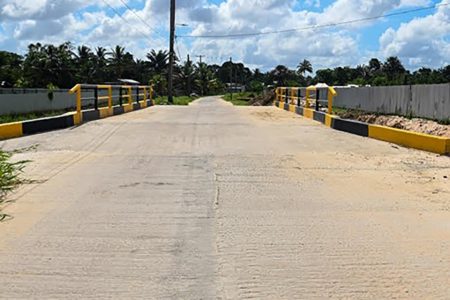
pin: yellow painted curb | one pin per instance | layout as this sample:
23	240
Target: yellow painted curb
143	104
308	113
11	130
281	105
128	108
105	112
292	108
431	143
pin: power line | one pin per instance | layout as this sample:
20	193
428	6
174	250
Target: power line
140	18
178	49
250	34
125	20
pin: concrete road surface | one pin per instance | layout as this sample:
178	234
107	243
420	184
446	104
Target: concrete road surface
212	201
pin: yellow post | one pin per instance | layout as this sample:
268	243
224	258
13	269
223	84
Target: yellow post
145	96
129	95
293	91
151	95
307	99
110	95
77	89
331	94
308	89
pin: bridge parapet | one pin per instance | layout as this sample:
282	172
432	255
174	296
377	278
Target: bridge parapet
307	97
104	94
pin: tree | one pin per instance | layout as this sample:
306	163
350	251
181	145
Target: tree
185	76
10	68
204	78
374	66
84	59
393	69
117	61
100	64
281	75
303	67
158	61
324	76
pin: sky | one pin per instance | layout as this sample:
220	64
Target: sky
419	39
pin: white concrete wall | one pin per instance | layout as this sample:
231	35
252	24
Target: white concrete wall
21	101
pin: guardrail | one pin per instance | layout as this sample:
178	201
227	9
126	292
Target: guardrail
125	92
306	96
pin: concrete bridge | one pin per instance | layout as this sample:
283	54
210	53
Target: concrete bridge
212	201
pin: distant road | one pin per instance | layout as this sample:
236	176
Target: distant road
212	201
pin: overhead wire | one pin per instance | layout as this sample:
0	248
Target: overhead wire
178	49
140	18
125	20
312	27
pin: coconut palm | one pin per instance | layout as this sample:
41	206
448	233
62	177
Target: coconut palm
185	76
116	61
158	61
85	64
303	67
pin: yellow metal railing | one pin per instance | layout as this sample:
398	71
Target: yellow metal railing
292	95
147	94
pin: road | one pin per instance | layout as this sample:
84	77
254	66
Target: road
212	201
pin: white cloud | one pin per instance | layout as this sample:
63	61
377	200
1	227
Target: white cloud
422	41
55	21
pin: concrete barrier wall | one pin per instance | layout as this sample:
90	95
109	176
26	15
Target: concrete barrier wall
19	103
427	101
22	101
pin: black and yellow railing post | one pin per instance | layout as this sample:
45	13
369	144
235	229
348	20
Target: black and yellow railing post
120	95
96	98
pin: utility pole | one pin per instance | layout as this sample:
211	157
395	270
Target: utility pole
231	79
200	56
171	50
189	77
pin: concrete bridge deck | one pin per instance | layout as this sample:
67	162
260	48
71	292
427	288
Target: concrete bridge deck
212	201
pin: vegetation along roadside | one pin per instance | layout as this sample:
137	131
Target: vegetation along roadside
9	177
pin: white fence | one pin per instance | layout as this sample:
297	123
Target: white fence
427	101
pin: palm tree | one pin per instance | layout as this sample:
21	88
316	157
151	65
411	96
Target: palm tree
303	67
85	64
159	61
116	60
205	78
100	64
185	76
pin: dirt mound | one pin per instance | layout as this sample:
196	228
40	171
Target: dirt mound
415	124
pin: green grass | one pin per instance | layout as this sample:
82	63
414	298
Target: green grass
30	116
239	99
180	100
9	176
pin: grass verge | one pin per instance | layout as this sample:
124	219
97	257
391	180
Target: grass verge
9	177
180	100
31	116
239	99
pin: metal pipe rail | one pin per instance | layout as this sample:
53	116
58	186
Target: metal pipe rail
79	88
293	95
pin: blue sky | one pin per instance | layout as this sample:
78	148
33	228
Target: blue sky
419	39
